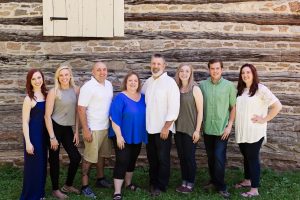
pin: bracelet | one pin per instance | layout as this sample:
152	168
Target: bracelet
52	138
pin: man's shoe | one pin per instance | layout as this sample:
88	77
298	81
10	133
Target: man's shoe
155	193
184	189
225	194
103	183
88	192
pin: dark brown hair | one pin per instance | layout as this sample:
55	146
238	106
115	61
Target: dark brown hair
241	84
213	61
124	83
29	88
158	55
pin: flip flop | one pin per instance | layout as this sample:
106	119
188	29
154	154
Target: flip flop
117	197
249	195
241	185
132	187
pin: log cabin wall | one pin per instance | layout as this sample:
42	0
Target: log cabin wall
264	33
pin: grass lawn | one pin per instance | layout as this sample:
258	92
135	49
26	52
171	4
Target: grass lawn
274	185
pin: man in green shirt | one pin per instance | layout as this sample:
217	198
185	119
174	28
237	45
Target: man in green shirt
219	97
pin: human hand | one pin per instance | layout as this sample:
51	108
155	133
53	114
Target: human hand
258	119
226	133
54	144
87	135
76	139
196	136
164	134
120	142
29	148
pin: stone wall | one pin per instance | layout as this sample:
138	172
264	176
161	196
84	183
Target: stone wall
264	33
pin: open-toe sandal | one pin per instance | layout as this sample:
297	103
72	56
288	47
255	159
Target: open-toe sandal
117	197
133	187
249	195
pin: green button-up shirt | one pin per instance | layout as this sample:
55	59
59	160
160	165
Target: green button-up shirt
218	99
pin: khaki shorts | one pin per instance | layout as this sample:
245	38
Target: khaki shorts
100	147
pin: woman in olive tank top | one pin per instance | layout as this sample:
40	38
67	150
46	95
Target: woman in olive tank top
188	125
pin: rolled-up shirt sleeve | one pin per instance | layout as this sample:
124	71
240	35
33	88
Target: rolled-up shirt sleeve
173	102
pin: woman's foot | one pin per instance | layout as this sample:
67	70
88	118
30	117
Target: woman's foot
117	197
252	193
132	187
59	195
70	189
245	183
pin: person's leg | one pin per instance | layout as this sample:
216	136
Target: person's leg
54	162
134	151
209	142
121	164
163	151
189	149
252	153
178	137
73	153
220	161
246	182
153	160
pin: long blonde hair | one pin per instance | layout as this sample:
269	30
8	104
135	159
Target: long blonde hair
191	82
57	87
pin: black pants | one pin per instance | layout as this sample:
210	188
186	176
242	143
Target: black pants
125	158
64	136
216	158
186	152
158	154
250	152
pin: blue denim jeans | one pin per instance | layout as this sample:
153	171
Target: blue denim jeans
216	157
250	152
158	154
186	154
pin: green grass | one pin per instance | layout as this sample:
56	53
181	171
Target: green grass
274	185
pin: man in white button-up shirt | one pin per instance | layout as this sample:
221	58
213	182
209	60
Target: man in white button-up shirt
162	109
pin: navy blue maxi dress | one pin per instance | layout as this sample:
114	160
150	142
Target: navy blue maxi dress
35	166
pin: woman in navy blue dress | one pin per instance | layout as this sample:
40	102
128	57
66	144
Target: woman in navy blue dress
34	130
128	116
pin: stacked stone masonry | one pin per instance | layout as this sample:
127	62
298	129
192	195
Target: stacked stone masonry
265	33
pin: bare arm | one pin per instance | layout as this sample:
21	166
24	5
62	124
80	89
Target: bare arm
230	123
199	105
48	120
87	136
25	124
120	139
273	111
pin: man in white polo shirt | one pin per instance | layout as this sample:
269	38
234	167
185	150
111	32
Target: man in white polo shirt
93	107
162	109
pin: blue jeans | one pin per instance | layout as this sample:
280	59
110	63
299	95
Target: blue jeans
250	152
186	153
158	154
216	156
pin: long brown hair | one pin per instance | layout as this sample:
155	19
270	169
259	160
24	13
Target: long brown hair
124	84
29	88
241	84
191	82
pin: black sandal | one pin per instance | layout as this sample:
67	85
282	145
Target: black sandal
132	187
117	197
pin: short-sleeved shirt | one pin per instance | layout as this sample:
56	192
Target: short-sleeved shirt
218	99
96	98
162	102
130	116
246	107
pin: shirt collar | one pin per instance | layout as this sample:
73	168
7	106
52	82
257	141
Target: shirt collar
96	82
161	76
221	79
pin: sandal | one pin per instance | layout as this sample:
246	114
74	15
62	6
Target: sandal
249	195
70	189
132	187
117	197
241	185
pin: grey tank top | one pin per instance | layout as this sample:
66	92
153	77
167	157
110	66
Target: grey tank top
65	108
187	118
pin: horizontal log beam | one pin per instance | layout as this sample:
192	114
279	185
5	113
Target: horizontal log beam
136	2
174	55
21	1
253	18
37	36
